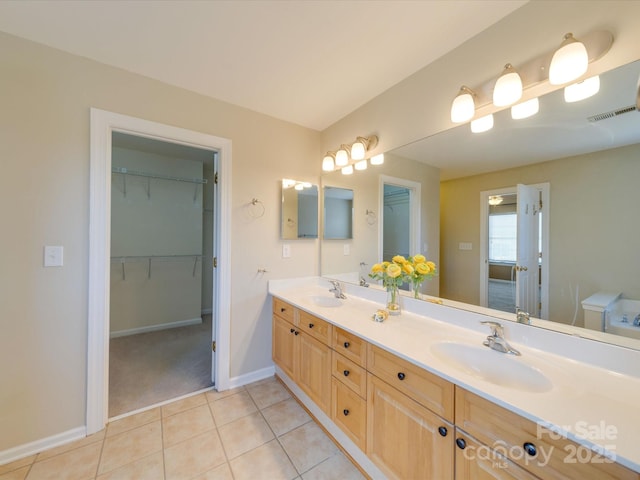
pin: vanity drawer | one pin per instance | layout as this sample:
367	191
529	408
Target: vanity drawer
350	345
283	310
433	392
557	458
349	412
314	326
349	373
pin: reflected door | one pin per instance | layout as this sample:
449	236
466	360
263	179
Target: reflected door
527	278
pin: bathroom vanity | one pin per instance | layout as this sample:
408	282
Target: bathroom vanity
420	396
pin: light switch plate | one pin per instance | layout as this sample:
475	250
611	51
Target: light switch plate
286	250
346	249
53	256
465	246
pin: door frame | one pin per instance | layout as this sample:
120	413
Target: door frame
415	204
103	123
544	188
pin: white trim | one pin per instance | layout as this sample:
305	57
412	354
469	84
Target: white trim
251	377
31	448
103	123
156	327
415	206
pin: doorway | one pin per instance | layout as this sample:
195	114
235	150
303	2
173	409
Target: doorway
161	290
103	126
514	249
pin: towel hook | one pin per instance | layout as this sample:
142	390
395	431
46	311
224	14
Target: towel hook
257	208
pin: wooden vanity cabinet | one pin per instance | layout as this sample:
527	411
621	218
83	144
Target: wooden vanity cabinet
405	439
533	448
283	345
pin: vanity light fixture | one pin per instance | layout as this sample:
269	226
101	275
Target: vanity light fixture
569	62
361	165
299	186
377	159
348	170
361	145
482	124
342	156
508	88
288	183
495	200
329	162
525	109
463	107
581	90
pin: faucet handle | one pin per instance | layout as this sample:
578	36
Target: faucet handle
496	328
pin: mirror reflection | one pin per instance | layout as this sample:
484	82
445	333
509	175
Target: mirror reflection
338	213
586	152
299	217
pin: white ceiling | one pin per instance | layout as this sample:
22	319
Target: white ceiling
310	62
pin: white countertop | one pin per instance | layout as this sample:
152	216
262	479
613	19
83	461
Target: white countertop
595	394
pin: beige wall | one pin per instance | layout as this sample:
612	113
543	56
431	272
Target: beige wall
44	188
593	228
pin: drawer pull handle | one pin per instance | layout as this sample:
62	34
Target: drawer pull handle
461	443
443	431
346	344
346	412
346	373
292	330
401	375
296	333
530	448
282	310
311	325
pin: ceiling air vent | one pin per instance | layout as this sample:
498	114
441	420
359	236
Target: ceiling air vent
611	114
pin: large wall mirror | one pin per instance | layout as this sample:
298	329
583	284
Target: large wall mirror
338	213
587	152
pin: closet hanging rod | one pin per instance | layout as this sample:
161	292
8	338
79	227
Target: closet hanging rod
126	171
126	257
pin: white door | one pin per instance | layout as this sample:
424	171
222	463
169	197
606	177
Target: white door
527	286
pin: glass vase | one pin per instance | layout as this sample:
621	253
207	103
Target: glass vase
416	290
393	300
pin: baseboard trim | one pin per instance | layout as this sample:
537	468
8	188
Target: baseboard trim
31	448
207	311
155	328
251	377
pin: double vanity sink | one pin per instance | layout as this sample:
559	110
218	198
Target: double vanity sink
550	379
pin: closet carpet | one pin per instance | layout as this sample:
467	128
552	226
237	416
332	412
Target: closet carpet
153	367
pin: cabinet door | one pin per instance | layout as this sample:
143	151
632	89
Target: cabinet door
283	345
349	412
404	439
475	461
314	370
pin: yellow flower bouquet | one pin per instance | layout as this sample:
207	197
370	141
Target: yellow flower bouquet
421	270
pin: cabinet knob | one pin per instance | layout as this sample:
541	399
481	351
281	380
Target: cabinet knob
346	344
292	330
443	431
311	325
460	442
346	412
296	333
530	448
401	375
282	310
346	373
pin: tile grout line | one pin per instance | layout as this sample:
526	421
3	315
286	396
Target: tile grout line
224	450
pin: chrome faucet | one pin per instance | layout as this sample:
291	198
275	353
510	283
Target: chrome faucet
636	321
337	289
522	316
363	282
496	340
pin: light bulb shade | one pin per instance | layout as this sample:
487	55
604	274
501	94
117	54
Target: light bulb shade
299	186
377	159
508	88
569	62
328	163
463	107
342	156
525	109
581	90
358	150
495	200
348	170
482	124
361	165
288	183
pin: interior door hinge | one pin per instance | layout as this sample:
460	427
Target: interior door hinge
215	262
213	346
215	178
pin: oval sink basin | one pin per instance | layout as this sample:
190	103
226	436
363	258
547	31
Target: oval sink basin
491	366
322	301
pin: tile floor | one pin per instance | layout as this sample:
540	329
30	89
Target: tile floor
254	432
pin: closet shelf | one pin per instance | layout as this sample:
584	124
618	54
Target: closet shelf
126	171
